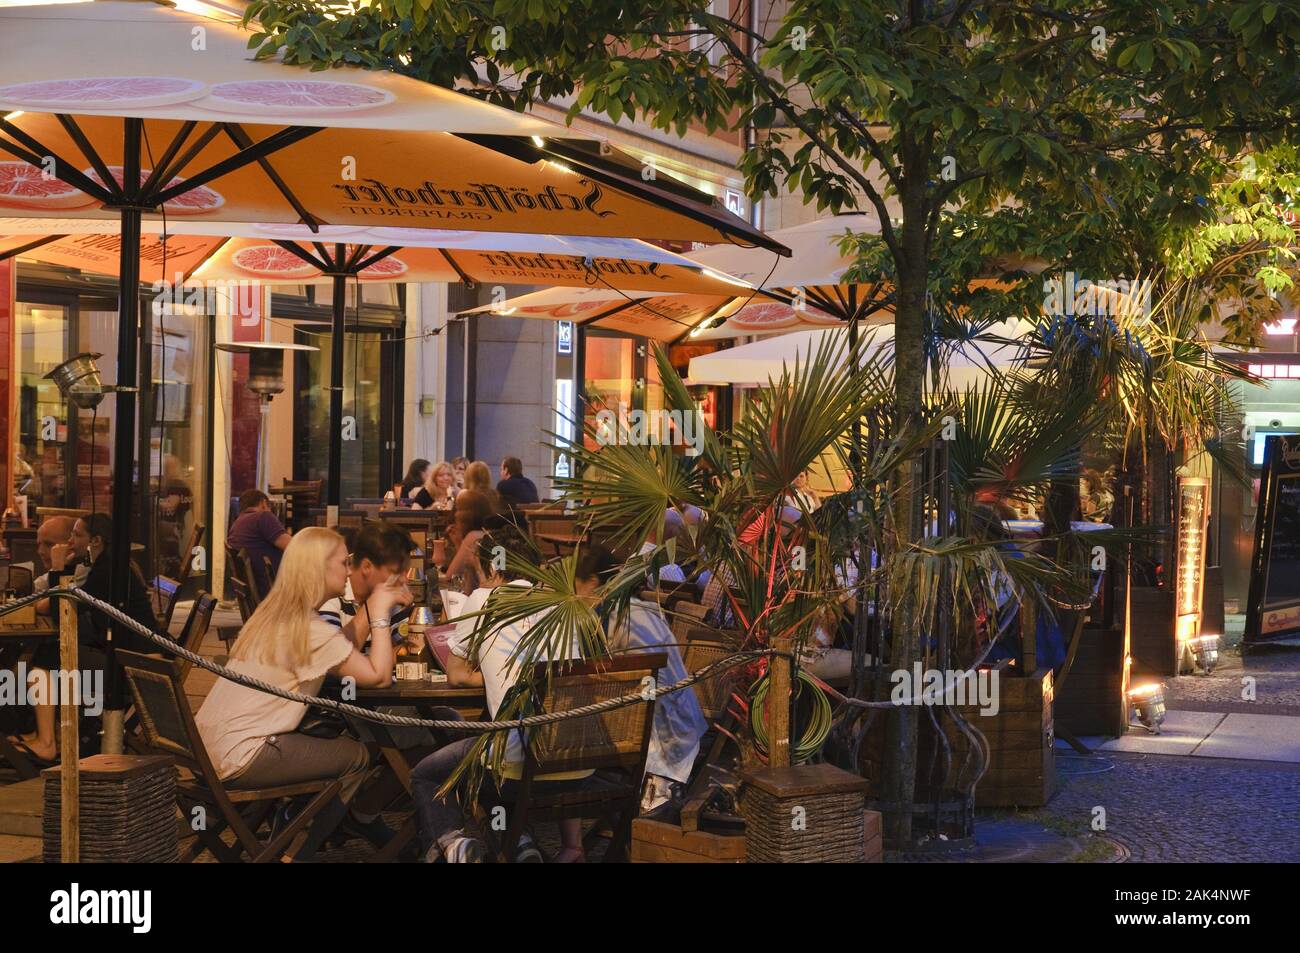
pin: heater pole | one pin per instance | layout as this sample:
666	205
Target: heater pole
335	479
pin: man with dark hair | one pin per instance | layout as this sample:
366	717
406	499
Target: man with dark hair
380	550
260	534
515	489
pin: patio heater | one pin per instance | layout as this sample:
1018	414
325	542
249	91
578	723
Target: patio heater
265	379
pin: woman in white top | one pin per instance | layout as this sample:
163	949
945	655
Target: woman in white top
251	737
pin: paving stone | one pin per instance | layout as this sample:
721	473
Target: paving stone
1253	738
1181	732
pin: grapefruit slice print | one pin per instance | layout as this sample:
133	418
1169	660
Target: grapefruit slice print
292	97
386	269
101	92
581	307
196	201
765	317
272	263
24	186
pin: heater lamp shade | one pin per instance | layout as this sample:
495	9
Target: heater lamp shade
265	363
78	380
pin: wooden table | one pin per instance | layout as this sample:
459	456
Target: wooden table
14	639
562	543
424	696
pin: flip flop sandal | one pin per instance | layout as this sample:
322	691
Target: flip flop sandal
32	755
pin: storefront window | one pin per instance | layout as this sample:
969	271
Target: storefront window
610	378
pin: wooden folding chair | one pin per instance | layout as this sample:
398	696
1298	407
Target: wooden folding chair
187	557
168	728
196	628
17	578
166	593
618	739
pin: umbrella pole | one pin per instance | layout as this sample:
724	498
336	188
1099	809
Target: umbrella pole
336	392
128	314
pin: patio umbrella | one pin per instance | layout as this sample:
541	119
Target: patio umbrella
804	290
190	253
123	110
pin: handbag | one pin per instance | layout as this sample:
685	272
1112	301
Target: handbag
321	723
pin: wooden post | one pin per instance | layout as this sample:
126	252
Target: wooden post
1029	636
778	705
69	739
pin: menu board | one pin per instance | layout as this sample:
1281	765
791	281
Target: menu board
1274	609
1193	511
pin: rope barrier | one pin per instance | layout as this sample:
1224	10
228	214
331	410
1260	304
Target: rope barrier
367	714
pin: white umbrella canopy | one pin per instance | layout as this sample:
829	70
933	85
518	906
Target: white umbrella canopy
760	362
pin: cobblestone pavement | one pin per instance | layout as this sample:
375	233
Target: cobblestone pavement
1276	671
1182	810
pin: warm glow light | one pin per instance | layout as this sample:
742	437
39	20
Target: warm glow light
724	277
1142	691
538	141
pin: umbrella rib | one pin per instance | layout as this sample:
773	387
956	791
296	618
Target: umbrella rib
357	251
92	156
321	263
703	321
272	143
325	256
241	138
468	281
207	257
65	170
376	257
169	153
15	252
173	171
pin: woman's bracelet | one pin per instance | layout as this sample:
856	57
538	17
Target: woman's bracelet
380	624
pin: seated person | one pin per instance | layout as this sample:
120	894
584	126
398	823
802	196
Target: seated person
491	664
478	493
59	557
439	491
91	535
464	573
252	737
380	552
679	723
515	488
257	531
673	528
417	474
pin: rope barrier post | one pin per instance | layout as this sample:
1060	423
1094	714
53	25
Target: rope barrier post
778	705
69	740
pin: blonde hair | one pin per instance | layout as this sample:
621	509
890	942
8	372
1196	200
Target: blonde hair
451	472
277	634
478	477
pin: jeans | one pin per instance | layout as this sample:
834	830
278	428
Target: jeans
441	818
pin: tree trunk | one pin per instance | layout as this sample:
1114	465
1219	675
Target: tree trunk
899	781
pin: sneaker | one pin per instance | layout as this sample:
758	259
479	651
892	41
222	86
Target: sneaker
527	852
465	850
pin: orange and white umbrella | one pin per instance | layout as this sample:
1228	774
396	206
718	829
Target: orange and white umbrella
801	291
190	253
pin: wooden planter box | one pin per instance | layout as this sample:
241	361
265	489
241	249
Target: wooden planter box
654	842
1022	762
1090	701
1151	636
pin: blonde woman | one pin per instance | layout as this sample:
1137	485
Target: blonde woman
439	491
251	736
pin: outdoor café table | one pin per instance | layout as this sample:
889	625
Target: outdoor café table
425	697
13	640
563	543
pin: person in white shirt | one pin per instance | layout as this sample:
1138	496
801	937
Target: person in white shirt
669	572
251	737
679	722
485	658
